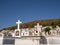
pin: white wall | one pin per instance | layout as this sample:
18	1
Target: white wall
26	42
1	40
50	41
53	40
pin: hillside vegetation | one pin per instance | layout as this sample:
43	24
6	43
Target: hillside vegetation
50	22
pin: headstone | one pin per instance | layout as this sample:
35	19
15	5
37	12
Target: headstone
57	30
57	27
18	31
38	29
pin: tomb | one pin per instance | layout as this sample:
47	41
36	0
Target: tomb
17	32
38	29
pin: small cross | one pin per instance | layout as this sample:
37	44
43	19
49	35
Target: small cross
18	23
37	25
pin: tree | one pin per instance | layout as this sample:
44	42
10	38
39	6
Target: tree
53	24
59	23
47	29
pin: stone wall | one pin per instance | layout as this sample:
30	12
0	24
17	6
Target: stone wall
50	40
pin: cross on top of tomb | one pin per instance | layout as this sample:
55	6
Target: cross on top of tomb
18	23
38	25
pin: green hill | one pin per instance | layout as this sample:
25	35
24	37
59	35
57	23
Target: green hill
50	22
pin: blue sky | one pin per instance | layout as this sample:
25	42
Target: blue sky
27	10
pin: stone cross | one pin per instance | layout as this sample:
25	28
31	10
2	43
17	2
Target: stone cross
18	23
38	26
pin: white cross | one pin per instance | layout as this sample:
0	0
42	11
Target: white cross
18	23
37	25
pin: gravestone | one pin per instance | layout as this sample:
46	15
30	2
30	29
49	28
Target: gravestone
57	30
18	31
38	29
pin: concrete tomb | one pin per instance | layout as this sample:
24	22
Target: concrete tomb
17	32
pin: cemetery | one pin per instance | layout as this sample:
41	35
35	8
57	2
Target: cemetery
33	36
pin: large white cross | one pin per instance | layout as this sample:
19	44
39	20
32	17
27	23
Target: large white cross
18	23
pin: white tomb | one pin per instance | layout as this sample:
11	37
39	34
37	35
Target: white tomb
17	32
38	29
25	32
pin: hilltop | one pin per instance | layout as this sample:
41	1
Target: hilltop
49	22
